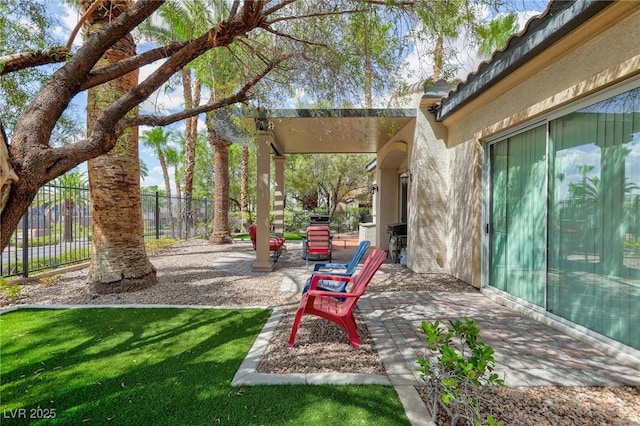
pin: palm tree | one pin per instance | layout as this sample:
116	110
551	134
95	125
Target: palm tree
157	139
144	170
184	19
221	233
447	19
68	191
119	261
172	157
444	19
495	33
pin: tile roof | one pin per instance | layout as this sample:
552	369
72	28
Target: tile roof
538	34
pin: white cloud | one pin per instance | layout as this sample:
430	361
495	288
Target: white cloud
420	61
69	17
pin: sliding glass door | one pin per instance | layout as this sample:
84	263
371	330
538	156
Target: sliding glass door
517	224
594	206
564	227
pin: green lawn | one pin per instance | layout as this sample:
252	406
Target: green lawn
289	236
159	367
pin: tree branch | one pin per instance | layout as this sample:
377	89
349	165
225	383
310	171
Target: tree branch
164	120
65	83
315	15
241	95
222	35
19	61
83	18
290	37
111	72
278	6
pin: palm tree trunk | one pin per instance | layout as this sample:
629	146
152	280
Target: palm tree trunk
67	234
191	99
167	186
119	262
438	57
244	188
220	233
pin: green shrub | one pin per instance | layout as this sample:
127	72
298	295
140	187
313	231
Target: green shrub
41	241
236	222
462	369
633	245
161	244
295	220
50	280
11	289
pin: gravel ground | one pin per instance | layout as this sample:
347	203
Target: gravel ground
186	276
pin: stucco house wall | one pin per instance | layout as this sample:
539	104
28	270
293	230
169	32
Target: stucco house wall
445	211
427	215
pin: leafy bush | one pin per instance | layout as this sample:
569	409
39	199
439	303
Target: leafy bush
50	280
459	373
161	244
633	245
296	220
41	241
236	222
11	289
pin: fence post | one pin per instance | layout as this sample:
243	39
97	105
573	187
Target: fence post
157	216
206	219
25	244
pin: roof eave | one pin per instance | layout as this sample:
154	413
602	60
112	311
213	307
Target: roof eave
559	19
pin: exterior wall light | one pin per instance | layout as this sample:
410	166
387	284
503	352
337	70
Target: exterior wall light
405	177
374	189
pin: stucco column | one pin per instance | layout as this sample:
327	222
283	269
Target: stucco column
263	261
388	211
279	195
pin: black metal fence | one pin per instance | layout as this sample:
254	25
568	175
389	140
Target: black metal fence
56	231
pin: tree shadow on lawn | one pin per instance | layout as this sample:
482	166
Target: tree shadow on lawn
158	366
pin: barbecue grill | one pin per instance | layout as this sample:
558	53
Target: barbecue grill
397	239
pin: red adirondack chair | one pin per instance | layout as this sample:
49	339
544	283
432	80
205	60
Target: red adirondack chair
276	244
338	307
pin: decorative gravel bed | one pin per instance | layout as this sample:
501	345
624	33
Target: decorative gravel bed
560	406
187	275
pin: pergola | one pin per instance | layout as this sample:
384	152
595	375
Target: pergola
311	131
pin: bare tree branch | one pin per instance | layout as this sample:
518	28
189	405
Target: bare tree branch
222	35
164	120
290	37
315	15
82	20
19	61
234	8
65	82
125	66
277	7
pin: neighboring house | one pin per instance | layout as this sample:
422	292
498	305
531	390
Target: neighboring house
525	178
